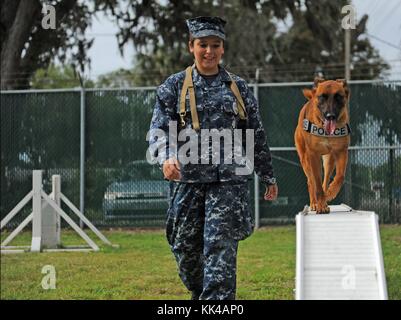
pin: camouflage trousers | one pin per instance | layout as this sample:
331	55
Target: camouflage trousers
205	221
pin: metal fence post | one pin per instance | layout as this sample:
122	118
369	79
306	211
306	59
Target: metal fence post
391	187
82	158
256	178
349	198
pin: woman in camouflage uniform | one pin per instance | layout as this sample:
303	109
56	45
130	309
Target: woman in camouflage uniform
208	213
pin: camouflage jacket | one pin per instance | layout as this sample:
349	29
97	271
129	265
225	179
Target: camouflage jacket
217	109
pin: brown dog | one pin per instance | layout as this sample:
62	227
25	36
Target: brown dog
323	131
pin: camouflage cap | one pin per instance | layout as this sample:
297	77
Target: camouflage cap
206	26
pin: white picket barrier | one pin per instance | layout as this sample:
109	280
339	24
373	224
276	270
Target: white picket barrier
45	217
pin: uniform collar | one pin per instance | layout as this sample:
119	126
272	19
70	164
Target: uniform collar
222	76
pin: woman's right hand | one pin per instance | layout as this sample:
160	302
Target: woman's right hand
171	169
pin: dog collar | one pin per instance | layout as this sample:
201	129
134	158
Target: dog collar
315	130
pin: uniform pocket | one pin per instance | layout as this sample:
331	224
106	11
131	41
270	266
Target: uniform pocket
230	111
242	220
230	106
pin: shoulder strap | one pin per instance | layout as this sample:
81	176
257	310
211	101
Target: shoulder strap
189	85
237	94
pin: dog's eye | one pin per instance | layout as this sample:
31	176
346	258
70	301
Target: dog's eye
323	97
338	97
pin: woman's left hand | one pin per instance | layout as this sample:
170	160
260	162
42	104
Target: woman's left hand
271	192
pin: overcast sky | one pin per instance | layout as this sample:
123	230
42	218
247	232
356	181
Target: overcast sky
384	26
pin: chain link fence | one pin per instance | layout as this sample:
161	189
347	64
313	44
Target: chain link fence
105	173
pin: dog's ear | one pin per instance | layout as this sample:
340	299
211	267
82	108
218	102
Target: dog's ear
308	93
317	81
345	86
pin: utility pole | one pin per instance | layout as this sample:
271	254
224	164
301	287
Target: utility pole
347	63
347	57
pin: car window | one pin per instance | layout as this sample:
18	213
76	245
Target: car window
141	172
131	173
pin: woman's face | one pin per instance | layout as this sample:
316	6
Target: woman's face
207	52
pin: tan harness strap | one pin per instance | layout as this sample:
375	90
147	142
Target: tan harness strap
237	94
189	85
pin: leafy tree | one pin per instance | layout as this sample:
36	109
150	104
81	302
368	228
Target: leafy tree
316	40
121	78
57	77
158	32
313	40
26	46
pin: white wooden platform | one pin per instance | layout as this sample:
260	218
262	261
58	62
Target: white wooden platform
339	256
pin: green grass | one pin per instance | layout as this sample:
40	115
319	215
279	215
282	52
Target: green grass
144	268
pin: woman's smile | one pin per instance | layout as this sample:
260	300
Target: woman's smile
208	59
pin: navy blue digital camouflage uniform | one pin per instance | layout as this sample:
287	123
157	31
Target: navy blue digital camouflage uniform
208	212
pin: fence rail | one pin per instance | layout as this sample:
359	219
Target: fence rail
95	138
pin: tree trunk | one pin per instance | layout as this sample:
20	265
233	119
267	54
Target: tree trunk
15	37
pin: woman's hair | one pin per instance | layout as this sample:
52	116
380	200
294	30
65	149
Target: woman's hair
191	39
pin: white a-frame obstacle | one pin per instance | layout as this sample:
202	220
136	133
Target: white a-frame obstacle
339	256
45	217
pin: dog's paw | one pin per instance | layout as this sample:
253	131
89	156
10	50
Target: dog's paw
312	207
322	208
